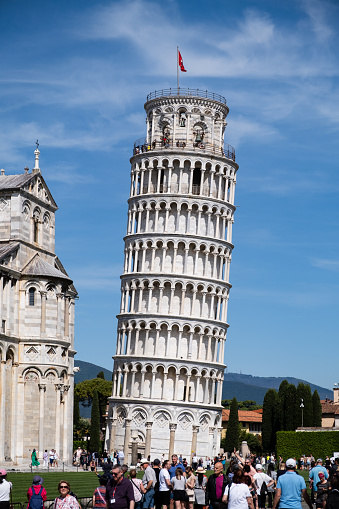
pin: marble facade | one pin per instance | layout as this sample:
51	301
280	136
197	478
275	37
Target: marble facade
169	361
37	324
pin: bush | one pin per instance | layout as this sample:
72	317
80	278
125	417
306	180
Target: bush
292	444
80	443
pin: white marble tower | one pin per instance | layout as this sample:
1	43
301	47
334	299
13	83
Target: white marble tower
169	362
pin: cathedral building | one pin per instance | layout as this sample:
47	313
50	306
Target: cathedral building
169	361
36	324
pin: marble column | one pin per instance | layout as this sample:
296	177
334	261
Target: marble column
58	388
42	390
195	430
43	313
172	427
127	438
113	424
66	317
148	438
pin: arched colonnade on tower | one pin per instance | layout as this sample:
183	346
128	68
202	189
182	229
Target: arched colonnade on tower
180	217
171	340
172	382
175	297
183	176
174	256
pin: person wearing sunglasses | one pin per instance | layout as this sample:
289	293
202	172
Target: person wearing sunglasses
119	491
65	500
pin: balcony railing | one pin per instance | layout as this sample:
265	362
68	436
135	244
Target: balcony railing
191	92
142	145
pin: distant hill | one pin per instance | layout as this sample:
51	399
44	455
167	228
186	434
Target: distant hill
255	387
235	384
89	371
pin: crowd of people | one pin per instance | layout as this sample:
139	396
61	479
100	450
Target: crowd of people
247	483
251	482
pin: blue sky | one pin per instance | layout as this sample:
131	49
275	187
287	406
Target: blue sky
75	75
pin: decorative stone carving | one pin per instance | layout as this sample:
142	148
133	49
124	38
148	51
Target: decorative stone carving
139	417
3	204
184	420
162	419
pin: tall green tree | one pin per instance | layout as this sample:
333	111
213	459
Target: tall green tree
233	430
95	424
283	404
305	413
85	390
316	409
270	420
101	375
291	408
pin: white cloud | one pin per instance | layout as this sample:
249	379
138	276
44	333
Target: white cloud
332	265
319	14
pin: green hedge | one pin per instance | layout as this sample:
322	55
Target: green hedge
80	443
293	444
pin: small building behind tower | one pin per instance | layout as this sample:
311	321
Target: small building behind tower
36	324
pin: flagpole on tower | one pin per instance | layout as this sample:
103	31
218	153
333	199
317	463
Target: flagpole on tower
178	66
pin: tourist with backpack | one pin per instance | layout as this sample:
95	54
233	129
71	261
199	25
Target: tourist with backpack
36	494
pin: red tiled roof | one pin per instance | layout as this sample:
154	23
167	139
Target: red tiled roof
244	416
329	408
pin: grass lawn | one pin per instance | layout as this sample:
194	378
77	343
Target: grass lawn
82	484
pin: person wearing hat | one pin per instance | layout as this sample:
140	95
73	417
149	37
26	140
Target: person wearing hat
314	475
260	478
5	490
290	487
200	488
149	480
37	488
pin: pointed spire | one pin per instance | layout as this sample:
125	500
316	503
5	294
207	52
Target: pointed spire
36	168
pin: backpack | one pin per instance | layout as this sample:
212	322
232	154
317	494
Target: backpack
263	489
36	501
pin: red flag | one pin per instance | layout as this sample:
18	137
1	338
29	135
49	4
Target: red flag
181	62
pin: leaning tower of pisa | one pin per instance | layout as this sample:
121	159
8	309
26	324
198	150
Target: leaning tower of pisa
169	362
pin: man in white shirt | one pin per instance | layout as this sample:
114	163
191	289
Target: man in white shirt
164	485
259	478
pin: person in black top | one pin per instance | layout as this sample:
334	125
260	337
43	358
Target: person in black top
215	487
156	468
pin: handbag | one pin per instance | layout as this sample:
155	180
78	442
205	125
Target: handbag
142	494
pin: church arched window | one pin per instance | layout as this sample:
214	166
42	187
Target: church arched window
31	296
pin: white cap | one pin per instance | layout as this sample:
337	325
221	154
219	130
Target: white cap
291	463
258	466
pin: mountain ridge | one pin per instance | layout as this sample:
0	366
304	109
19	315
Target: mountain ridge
243	387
